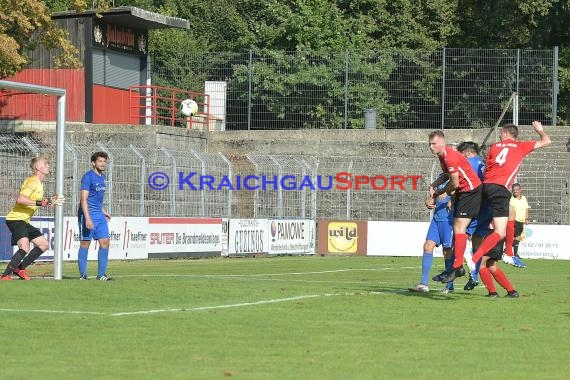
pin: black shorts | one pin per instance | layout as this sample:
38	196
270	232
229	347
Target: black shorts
467	203
498	197
496	253
20	229
519	228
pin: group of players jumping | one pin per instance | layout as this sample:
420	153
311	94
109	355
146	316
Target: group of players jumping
481	196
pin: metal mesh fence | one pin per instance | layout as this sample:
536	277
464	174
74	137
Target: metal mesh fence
268	195
476	83
262	185
16	152
215	197
535	84
404	184
333	204
12	152
547	191
244	202
451	88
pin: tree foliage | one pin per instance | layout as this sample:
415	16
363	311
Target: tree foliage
300	50
307	29
523	24
25	24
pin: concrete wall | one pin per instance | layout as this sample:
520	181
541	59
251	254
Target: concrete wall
316	142
380	142
137	135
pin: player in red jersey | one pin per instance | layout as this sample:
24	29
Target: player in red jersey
464	182
503	163
490	270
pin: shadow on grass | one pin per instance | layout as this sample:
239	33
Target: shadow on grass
435	295
68	277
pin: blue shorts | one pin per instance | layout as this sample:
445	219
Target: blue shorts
100	228
480	225
441	233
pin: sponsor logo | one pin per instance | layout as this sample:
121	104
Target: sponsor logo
342	237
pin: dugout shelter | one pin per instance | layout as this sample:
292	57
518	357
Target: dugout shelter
113	50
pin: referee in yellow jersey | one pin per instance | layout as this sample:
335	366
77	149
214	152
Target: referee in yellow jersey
31	197
520	205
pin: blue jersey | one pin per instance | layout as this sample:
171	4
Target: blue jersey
480	225
478	166
440	213
95	184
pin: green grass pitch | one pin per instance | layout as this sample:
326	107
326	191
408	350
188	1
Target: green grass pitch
283	318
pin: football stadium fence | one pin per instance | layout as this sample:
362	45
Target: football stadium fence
393	88
263	185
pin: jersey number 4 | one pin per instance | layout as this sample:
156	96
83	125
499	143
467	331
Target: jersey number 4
502	156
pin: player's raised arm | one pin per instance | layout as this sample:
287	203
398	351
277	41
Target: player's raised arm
544	138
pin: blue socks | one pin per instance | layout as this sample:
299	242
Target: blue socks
102	258
427	260
82	261
448	266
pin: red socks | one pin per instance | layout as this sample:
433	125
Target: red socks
510	238
487	278
488	244
502	279
459	249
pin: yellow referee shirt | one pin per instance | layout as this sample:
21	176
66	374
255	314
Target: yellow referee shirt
520	206
33	189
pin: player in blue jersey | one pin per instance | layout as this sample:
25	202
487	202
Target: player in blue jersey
440	232
92	218
479	227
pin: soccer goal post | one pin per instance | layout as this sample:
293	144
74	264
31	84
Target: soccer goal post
60	161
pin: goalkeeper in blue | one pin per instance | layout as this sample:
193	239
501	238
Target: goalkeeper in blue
92	218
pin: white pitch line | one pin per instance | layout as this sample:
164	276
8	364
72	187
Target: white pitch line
269	274
242	304
201	308
52	311
309	281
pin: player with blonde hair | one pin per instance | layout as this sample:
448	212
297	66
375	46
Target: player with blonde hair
30	197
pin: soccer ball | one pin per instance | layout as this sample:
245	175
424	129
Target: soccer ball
189	107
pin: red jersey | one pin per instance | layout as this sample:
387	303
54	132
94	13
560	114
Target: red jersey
504	161
454	162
